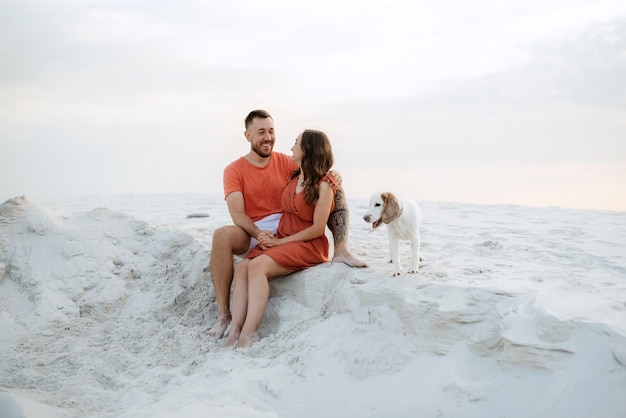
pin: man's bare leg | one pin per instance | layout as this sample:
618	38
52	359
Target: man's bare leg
338	222
227	241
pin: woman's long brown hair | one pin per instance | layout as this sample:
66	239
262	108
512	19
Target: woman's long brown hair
317	160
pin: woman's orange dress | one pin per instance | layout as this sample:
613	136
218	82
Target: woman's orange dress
297	215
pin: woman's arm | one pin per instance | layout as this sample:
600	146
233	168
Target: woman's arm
320	218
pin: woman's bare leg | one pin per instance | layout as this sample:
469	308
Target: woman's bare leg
259	271
239	302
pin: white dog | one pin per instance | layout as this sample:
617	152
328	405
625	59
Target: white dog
403	218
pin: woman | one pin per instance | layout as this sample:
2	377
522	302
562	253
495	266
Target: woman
299	242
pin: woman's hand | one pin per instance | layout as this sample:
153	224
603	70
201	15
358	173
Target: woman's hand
267	240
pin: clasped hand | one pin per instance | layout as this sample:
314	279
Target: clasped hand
267	240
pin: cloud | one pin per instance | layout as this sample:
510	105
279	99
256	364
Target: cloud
148	95
591	68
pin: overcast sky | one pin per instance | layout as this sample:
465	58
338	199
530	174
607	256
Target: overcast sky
490	101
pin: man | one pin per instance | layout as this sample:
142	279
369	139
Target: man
253	185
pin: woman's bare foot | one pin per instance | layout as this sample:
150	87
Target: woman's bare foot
219	328
247	340
232	338
347	258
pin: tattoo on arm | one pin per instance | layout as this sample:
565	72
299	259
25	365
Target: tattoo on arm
339	218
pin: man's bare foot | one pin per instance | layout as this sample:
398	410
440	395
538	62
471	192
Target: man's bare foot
247	340
219	328
349	259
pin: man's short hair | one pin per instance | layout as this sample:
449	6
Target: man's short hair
262	114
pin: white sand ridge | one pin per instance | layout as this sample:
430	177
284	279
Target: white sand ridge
103	316
91	299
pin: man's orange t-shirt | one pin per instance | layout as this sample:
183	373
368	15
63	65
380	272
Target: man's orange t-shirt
262	187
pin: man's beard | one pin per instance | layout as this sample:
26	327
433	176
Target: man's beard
262	154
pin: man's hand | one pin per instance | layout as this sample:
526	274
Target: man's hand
267	240
336	176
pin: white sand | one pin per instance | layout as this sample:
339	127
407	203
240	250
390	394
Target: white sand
517	312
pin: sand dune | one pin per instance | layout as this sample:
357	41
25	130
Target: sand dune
517	312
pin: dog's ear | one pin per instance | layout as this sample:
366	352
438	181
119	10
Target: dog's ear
391	210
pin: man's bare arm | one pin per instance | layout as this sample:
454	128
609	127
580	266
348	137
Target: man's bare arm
236	208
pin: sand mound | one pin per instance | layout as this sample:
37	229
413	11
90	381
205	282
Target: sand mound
102	316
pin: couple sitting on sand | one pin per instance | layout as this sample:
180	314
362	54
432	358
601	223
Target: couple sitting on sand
280	206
